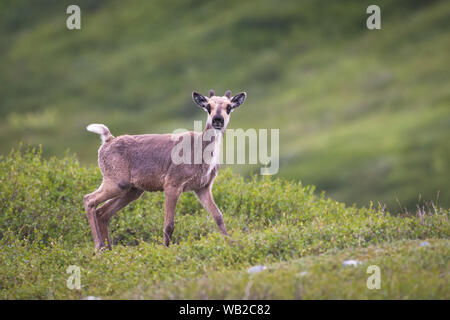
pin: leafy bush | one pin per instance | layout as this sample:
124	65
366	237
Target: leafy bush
43	199
407	270
43	230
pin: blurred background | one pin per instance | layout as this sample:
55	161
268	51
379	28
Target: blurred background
363	115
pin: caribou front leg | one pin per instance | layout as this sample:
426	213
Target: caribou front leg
171	196
206	198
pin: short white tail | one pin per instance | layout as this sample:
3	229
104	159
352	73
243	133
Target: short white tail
102	130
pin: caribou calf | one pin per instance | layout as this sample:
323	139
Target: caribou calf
132	164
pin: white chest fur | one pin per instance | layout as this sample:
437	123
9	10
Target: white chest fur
215	159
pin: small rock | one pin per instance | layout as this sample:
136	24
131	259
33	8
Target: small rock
256	269
92	298
424	244
353	263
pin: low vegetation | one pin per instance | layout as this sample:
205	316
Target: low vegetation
301	237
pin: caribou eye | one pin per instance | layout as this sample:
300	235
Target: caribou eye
208	108
228	109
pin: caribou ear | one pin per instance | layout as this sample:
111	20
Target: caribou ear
200	100
238	99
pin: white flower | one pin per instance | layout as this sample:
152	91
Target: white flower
353	263
424	244
256	269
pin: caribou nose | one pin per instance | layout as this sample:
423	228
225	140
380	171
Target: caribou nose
217	122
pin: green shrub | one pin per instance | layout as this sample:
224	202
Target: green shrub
43	199
43	230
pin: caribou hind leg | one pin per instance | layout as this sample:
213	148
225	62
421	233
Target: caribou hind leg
110	208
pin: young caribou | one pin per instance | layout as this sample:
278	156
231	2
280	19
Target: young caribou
133	164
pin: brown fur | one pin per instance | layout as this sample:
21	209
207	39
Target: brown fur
133	164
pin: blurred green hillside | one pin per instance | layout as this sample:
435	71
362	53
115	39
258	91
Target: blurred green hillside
364	115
